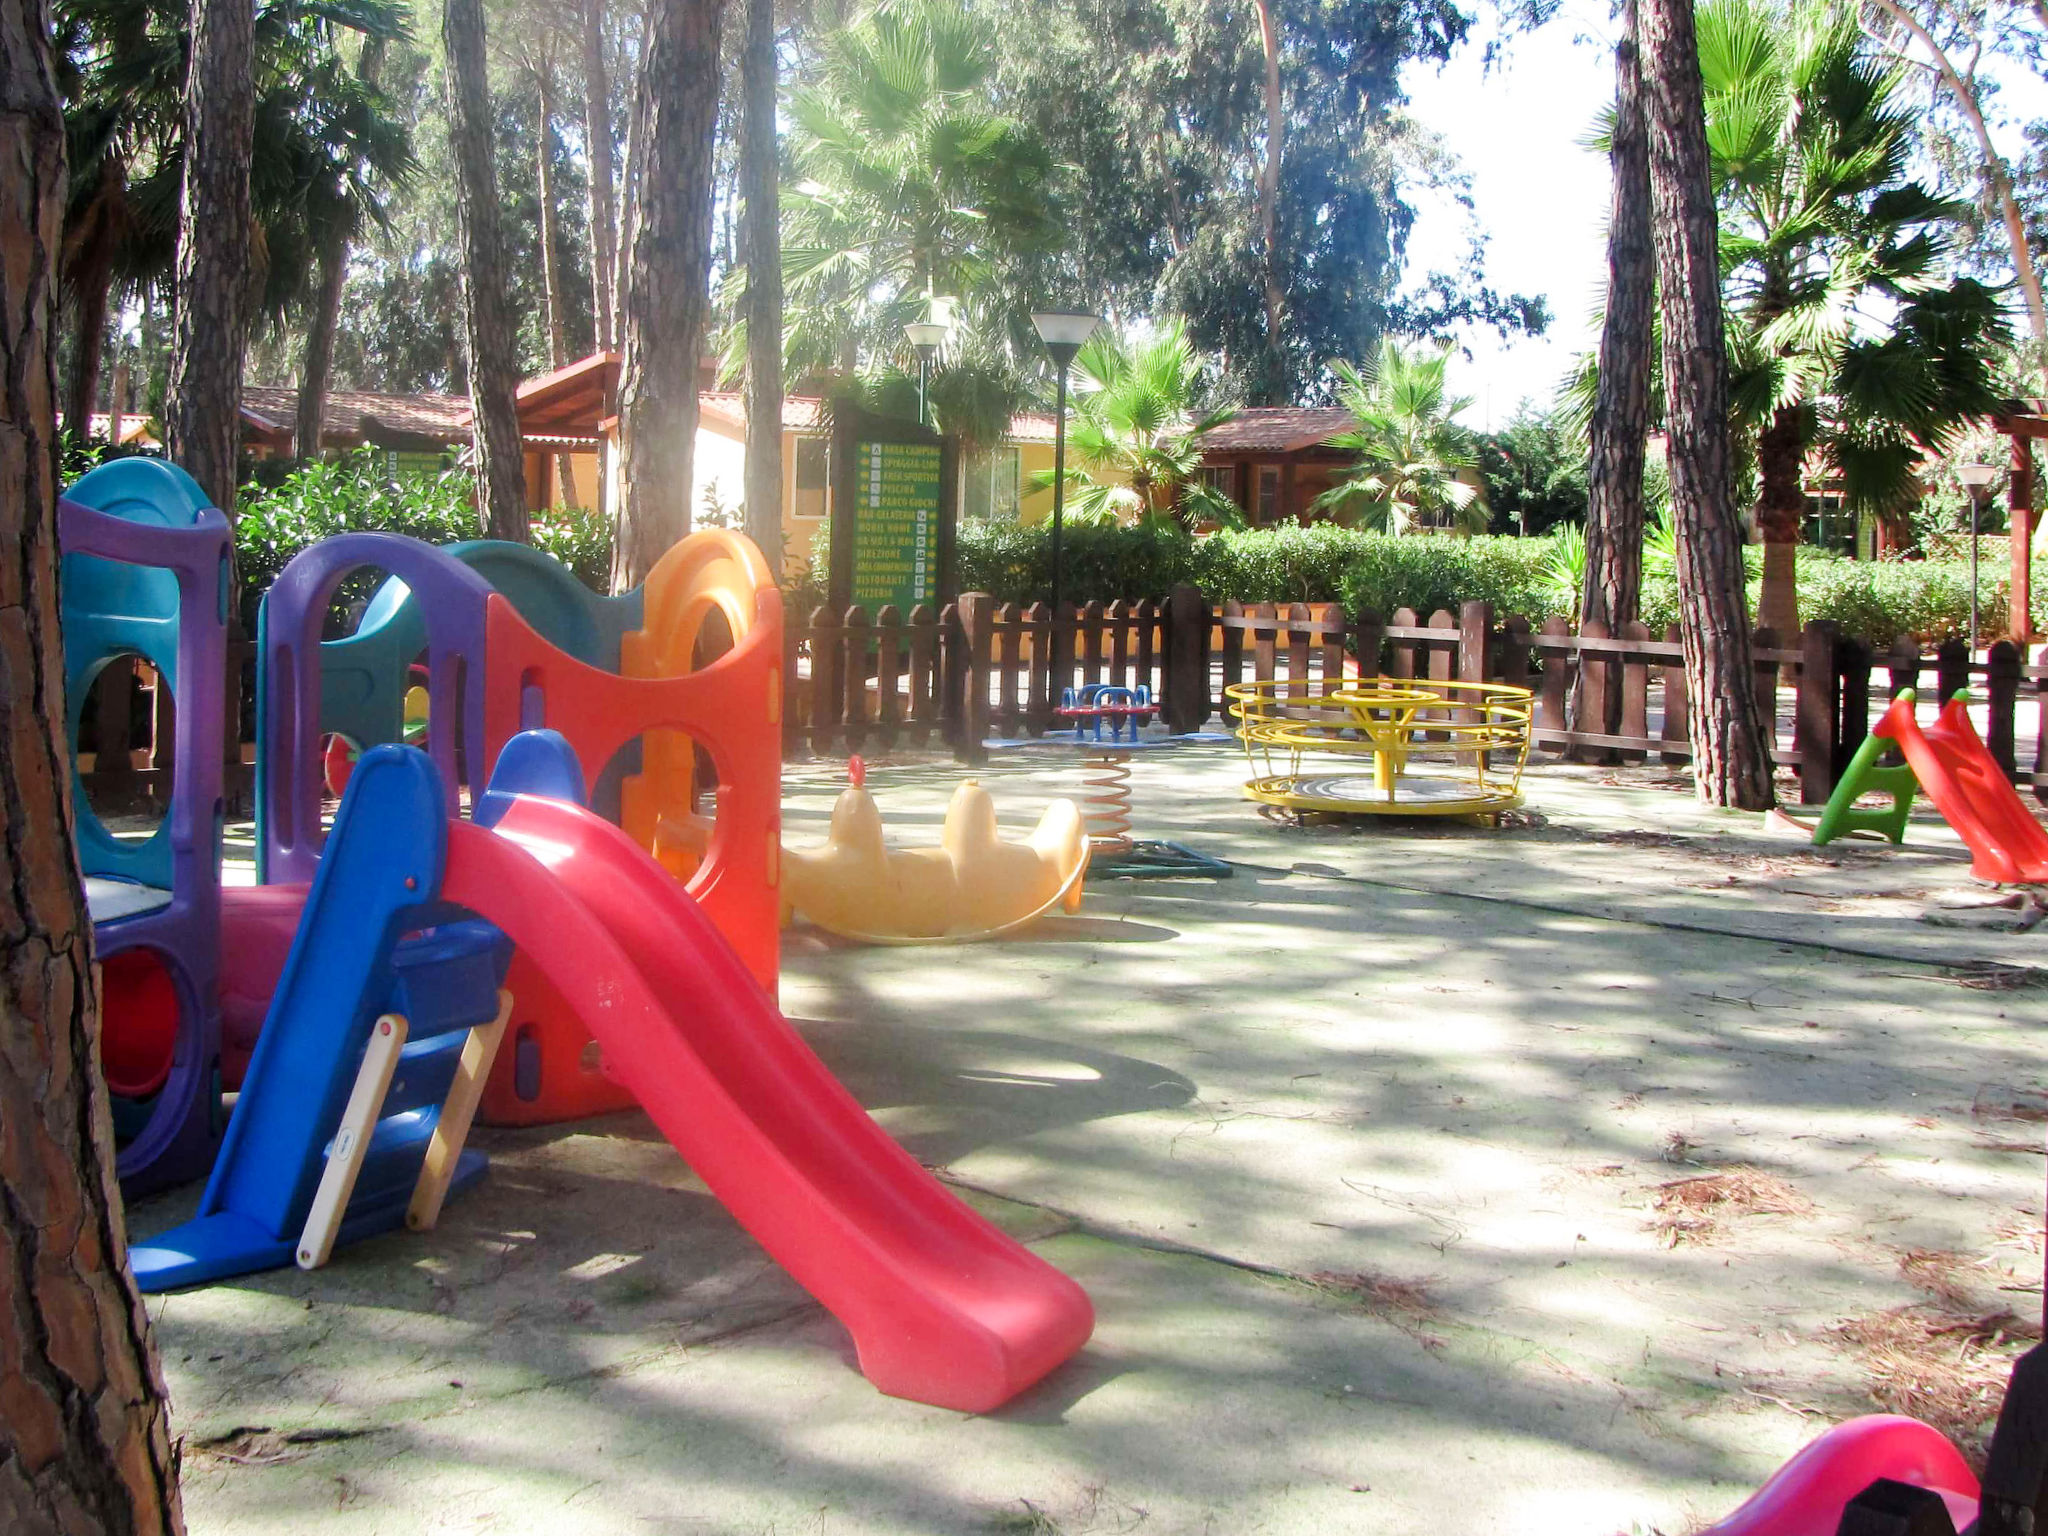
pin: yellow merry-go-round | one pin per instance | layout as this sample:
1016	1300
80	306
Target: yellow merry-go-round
1385	746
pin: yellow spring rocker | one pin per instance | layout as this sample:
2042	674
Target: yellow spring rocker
973	885
1389	746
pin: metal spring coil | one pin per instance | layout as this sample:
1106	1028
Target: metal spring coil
1106	807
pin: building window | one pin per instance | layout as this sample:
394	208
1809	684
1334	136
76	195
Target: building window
813	476
994	486
1269	493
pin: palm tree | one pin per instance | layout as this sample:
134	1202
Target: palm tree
911	183
1412	454
1139	416
328	146
1851	347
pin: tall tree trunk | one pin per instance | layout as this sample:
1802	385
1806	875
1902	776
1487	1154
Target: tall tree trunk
670	266
487	320
317	365
550	252
1269	202
629	198
89	249
1731	755
203	407
1780	517
1621	406
597	139
117	405
88	343
551	260
760	175
83	1439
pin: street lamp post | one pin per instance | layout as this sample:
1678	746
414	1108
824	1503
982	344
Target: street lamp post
1063	333
1977	480
927	336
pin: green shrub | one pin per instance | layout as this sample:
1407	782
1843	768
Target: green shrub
1874	601
353	494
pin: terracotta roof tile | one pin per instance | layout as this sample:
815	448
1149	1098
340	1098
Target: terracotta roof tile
275	408
1277	429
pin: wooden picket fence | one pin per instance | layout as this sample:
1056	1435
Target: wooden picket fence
952	677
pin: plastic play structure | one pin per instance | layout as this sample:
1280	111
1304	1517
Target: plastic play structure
1435	748
358	1098
491	673
1949	761
943	1307
972	886
145	574
384	954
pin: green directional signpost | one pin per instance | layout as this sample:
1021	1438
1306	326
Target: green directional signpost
895	541
892	515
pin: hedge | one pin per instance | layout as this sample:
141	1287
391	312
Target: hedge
353	494
1874	601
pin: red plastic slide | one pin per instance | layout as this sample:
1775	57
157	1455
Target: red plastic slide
943	1308
1805	1496
1971	791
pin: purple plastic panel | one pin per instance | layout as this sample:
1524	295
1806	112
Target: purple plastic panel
178	1142
289	772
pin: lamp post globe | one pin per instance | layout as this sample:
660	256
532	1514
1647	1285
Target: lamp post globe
927	336
1064	332
1978	479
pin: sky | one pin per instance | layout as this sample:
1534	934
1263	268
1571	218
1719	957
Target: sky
1539	196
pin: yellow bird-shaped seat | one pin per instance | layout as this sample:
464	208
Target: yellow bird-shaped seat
974	885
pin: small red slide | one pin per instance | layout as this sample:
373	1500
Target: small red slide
943	1307
1805	1497
1971	791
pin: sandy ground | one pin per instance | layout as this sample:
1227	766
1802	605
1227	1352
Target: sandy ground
1563	1177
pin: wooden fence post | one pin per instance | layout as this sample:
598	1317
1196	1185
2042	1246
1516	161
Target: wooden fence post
924	672
952	677
1514	650
1265	648
1060	671
1677	709
1297	651
1401	660
796	735
1145	650
977	625
1557	680
1635	692
855	651
826	659
1038	675
1951	669
1007	659
2041	728
1595	678
1184	687
1764	638
1852	662
1817	712
2002	696
1370	634
1475	634
888	672
1328	647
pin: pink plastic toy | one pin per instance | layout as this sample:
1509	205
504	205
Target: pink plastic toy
1805	1496
943	1307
